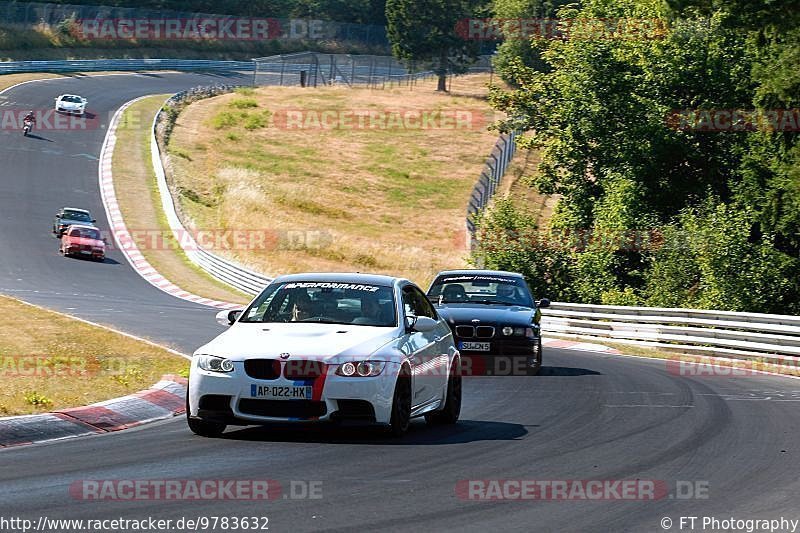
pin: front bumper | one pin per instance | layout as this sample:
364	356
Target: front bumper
78	111
228	398
507	356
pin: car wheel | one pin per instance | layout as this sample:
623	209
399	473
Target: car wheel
401	406
452	405
536	363
203	427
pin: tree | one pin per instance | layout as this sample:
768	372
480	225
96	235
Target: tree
428	31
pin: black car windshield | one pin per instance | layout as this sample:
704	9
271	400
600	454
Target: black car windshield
77	215
480	288
72	99
324	302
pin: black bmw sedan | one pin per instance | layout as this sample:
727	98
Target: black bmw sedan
494	319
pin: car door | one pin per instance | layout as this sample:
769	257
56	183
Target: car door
426	356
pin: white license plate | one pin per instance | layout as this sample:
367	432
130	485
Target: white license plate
86	252
281	392
475	346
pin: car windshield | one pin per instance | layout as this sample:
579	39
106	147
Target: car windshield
77	215
73	99
86	233
480	288
324	302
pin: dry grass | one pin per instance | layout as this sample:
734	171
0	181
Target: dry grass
388	200
50	361
140	203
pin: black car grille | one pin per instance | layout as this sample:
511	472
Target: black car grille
301	369
479	332
271	369
263	368
283	408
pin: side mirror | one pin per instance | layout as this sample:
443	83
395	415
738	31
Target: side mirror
228	317
58	215
423	324
544	302
93	221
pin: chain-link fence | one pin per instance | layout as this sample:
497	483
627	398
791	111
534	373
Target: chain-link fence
311	69
490	178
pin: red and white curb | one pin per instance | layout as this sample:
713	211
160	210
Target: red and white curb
579	346
120	231
165	399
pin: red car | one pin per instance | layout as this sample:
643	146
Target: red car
84	241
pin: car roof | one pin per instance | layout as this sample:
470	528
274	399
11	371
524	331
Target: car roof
75	209
474	272
341	277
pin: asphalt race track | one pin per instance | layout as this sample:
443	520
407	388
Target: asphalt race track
586	417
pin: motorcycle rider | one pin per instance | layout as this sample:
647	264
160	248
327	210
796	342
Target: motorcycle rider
30	117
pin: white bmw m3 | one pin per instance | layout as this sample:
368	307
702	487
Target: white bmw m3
343	348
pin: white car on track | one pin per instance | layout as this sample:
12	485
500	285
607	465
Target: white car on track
71	104
345	348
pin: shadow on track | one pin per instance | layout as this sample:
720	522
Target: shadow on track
38	138
566	371
418	434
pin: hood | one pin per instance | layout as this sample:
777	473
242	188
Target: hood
70	105
512	315
86	241
319	342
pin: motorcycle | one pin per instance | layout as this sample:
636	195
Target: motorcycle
27	127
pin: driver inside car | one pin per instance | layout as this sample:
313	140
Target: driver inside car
507	293
302	308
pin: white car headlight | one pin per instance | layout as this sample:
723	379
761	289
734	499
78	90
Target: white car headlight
212	363
362	369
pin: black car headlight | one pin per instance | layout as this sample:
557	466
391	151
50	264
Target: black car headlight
518	331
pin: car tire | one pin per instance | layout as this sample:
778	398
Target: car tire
448	415
401	406
203	427
534	369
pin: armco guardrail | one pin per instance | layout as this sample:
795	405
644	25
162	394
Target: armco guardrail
716	333
94	65
246	280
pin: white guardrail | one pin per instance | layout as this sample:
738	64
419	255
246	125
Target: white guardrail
772	338
246	280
